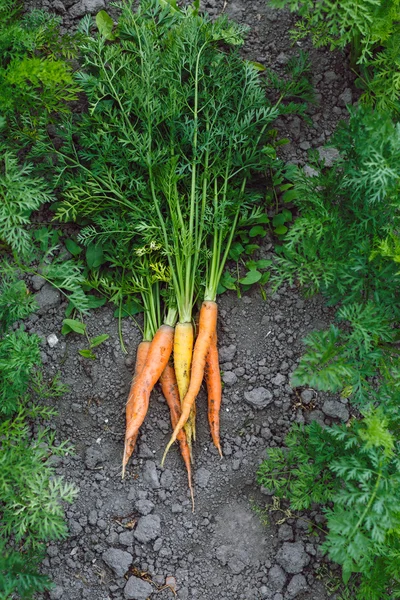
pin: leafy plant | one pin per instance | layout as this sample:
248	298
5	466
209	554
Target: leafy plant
31	512
81	328
340	245
20	195
356	470
371	29
36	80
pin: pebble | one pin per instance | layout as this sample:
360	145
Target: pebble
143	506
202	477
297	585
137	589
118	560
150	474
307	396
148	528
292	557
47	298
259	397
52	340
229	378
37	282
336	410
227	353
277	578
279	379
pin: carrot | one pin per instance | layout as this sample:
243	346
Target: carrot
169	388
214	392
159	352
141	355
207	329
183	349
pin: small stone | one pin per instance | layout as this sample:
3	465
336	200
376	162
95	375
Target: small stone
37	282
148	528
202	476
297	585
336	410
52	551
143	506
58	6
316	415
236	565
282	59
167	479
279	379
329	155
229	378
227	353
310	171
330	76
292	557
52	340
259	397
74	527
171	582
137	589
118	560
276	578
47	298
145	451
157	545
57	593
346	97
93	457
150	474
93	517
285	533
86	6
307	396
126	538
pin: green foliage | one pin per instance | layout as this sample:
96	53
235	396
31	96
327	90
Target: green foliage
356	470
31	512
19	577
370	27
36	80
146	168
368	23
20	195
81	328
343	245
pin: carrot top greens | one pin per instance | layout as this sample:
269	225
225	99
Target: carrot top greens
178	124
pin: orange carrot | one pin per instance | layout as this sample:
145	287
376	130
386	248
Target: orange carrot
207	329
183	350
141	355
214	392
169	388
159	352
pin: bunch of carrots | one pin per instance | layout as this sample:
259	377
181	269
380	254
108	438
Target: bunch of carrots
162	167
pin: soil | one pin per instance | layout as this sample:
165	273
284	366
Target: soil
131	538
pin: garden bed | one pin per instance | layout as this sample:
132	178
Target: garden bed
132	538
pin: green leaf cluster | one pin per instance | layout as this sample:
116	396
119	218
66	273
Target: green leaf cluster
370	27
343	245
31	496
20	195
36	77
354	473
